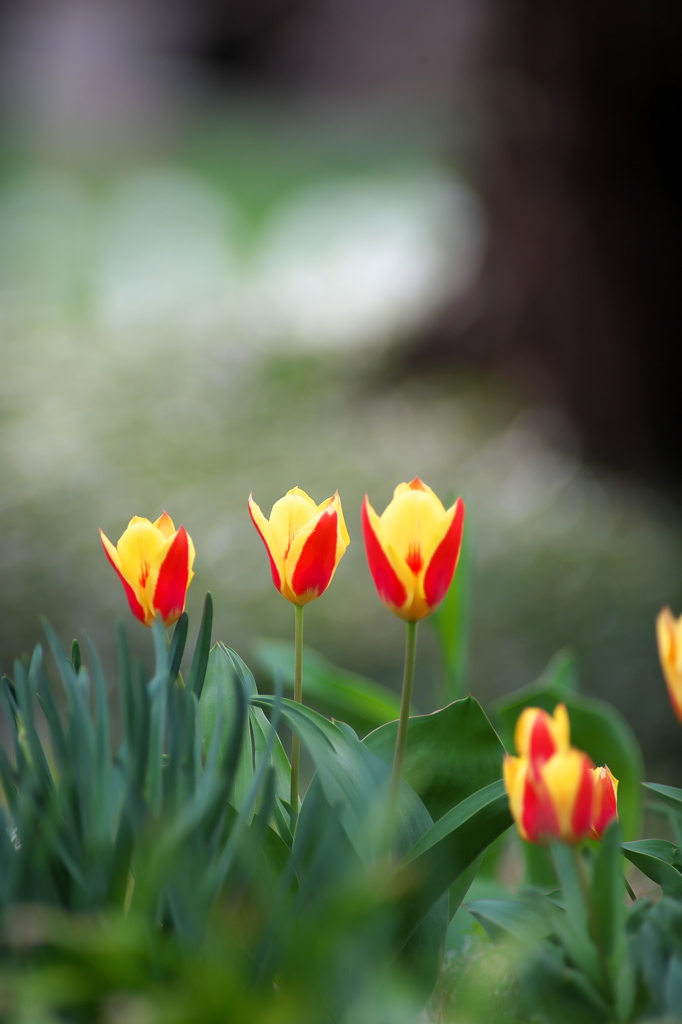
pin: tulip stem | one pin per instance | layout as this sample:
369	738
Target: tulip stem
404	720
298	698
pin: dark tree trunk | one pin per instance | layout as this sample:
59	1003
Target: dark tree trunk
579	296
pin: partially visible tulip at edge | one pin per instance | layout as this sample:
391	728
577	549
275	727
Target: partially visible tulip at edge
669	637
412	549
556	794
154	563
304	541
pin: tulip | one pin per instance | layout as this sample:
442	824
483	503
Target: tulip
304	541
604	802
552	799
154	564
538	735
412	549
554	790
669	636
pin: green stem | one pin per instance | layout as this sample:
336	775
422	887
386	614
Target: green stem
404	721
298	697
593	924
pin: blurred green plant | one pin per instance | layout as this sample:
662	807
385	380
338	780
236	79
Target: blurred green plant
165	876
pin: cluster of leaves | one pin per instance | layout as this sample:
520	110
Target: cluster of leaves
166	877
152	868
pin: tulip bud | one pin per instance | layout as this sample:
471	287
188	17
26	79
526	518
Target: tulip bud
605	801
669	636
154	563
305	543
412	549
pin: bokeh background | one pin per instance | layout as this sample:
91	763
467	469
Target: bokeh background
336	244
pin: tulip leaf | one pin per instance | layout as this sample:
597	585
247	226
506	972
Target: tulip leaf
671	796
452	622
606	892
450	753
596	727
516	918
352	778
176	647
660	861
449	848
197	670
344	694
218	709
355	783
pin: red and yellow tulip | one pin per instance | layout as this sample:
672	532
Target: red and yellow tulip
412	549
305	543
554	790
669	636
154	563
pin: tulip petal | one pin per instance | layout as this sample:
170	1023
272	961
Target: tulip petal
165	524
392	579
581	819
570	785
135	606
443	562
668	635
411	520
311	560
171	586
289	515
539	735
265	533
539	820
605	800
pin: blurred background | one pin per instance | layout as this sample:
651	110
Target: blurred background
337	244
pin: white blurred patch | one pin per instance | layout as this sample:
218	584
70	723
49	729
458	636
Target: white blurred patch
353	262
168	258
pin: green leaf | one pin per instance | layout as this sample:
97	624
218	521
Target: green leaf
659	860
571	921
669	795
452	622
516	918
176	648
218	710
449	847
450	754
197	670
606	893
353	779
344	694
596	727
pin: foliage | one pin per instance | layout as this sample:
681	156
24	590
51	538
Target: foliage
153	868
166	875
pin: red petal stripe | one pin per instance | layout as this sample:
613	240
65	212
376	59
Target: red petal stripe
135	606
581	818
317	561
389	585
171	586
541	745
539	819
605	807
276	579
441	568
